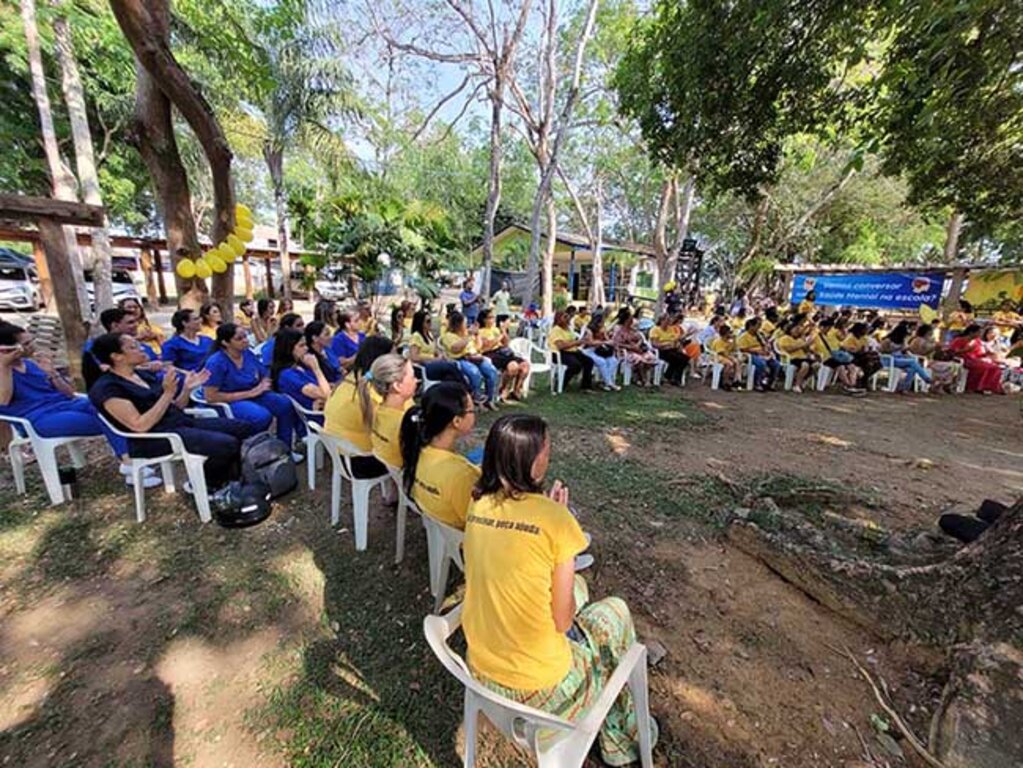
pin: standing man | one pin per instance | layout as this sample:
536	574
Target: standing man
470	301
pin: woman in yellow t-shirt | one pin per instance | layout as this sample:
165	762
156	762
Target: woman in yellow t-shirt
392	381
808	304
210	315
961	319
1007	319
435	475
569	348
422	350
724	349
531	636
493	343
344	414
666	337
147	333
459	345
795	343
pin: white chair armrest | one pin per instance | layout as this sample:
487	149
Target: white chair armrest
21	423
595	716
202	413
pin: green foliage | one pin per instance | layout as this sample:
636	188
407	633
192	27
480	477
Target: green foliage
950	112
723	84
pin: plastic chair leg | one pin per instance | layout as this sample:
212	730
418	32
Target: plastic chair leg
311	457
77	456
715	378
193	466
640	700
140	492
46	458
443	569
167	470
17	467
360	511
472	716
399	544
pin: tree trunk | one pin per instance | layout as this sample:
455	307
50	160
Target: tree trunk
145	25
548	256
74	98
533	267
154	135
274	157
597	297
661	233
62	181
966	603
955	226
493	183
59	264
247	275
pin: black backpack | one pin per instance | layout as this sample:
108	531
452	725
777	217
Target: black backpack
267	460
239	505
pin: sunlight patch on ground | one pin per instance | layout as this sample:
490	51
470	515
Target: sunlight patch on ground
618	443
830	440
713	405
672	416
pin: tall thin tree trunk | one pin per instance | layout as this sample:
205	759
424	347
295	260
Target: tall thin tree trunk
154	135
247	275
274	157
548	256
62	258
74	98
493	183
597	297
534	278
955	226
661	232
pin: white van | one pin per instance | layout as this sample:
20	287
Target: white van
19	287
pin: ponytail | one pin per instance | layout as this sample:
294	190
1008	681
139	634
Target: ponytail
385	371
442	404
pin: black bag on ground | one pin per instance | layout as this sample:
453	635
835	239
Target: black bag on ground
267	460
240	505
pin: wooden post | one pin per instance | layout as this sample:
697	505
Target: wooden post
247	274
146	262
158	268
269	280
45	284
65	292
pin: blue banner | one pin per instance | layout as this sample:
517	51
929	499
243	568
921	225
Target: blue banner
871	290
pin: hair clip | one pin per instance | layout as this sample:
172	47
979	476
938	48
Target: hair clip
368	375
415	418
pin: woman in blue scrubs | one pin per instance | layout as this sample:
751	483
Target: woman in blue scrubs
186	349
317	339
347	340
238	378
37	392
297	373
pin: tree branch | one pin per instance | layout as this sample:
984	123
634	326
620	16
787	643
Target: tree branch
440	104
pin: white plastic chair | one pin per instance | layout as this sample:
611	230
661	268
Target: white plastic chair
527	350
552	740
313	444
193	467
404	502
427	382
222	409
825	377
341	453
891	374
45	450
443	547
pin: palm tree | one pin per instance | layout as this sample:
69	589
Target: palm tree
305	90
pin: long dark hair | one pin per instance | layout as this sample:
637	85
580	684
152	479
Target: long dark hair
263	306
421	326
441	404
207	308
225	332
396	324
512	446
899	333
284	347
179	318
455	321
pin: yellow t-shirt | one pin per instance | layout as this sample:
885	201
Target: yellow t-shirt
558	334
669	335
959	320
243	320
443	486
385	433
208	332
511	549
767	328
851	344
722	348
342	415
834	338
153	344
819	348
580	321
490	335
789	344
426	349
449	339
367	325
747	342
1006	322
805	307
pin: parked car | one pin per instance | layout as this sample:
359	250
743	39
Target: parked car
19	287
332	284
122	283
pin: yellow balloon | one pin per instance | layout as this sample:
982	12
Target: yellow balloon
186	269
242	211
243	233
202	269
224	252
235	244
669	286
244	222
927	314
216	263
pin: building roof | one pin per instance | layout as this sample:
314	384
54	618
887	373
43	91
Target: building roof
571	240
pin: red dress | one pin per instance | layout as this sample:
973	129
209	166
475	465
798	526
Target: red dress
983	375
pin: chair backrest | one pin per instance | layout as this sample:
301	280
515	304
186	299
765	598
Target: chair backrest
522	347
20	426
339	443
304	414
510	717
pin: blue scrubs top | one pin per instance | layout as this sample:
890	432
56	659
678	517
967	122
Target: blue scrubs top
266	354
291	381
87	347
330	366
32	391
227	377
342	346
183	354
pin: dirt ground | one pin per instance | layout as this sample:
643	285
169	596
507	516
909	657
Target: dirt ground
175	644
